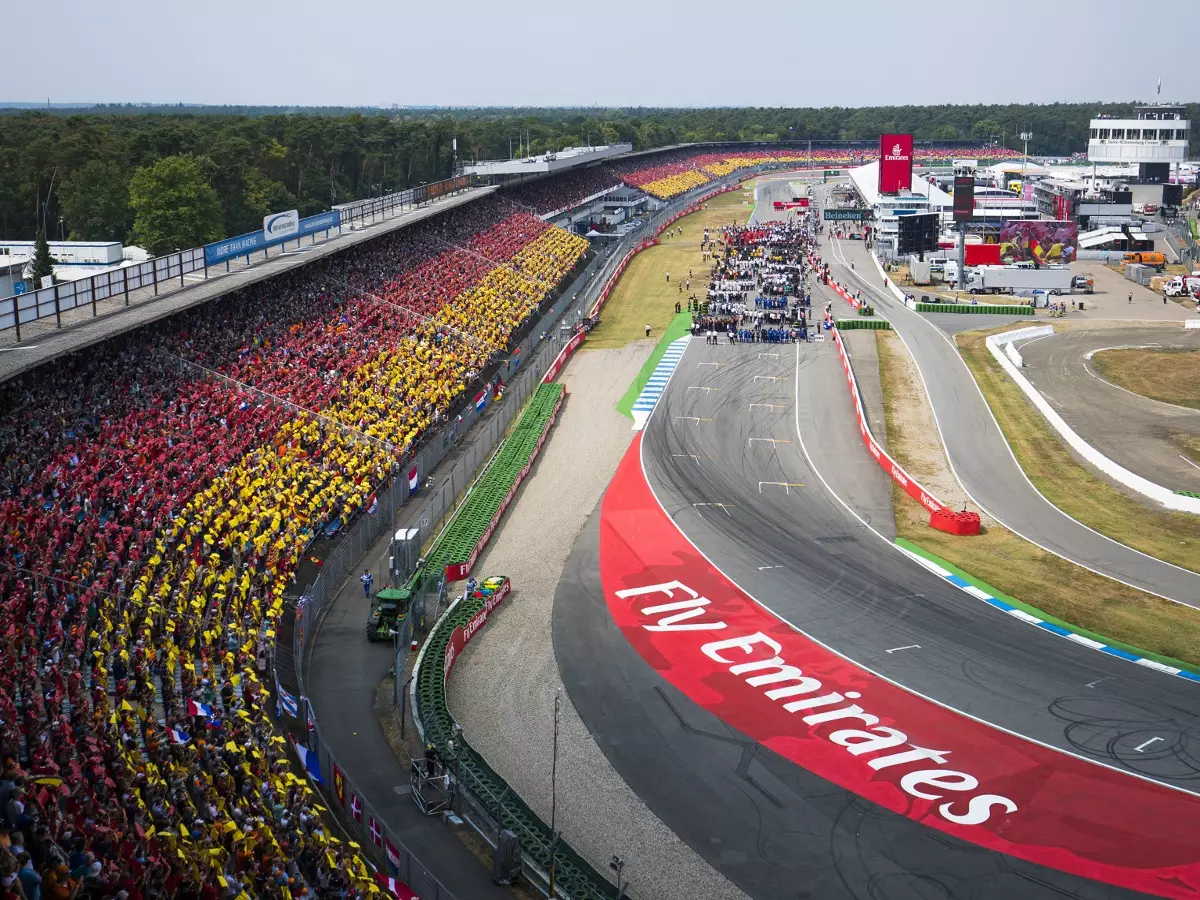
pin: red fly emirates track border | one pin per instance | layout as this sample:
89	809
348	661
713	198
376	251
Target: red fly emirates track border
758	674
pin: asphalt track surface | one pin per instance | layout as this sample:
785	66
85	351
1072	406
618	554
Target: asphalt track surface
980	457
1128	428
772	827
759	819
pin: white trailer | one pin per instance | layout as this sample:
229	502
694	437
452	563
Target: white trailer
1010	279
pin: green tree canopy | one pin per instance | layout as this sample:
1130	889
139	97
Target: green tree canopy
174	205
95	201
43	262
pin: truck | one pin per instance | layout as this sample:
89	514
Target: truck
1183	286
1145	258
1010	279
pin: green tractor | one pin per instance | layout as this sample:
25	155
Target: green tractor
387	612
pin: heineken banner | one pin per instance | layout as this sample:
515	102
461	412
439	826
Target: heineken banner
847	215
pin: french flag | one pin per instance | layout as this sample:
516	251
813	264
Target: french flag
199	709
414	481
481	400
312	765
177	736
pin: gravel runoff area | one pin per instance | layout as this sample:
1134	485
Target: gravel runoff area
503	687
915	423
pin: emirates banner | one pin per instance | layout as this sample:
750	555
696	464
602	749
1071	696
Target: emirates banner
895	163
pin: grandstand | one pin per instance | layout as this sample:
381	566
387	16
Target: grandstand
162	490
160	493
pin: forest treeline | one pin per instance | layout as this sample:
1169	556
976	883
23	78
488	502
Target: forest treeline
95	174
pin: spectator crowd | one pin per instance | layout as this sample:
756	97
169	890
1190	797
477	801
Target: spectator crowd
158	495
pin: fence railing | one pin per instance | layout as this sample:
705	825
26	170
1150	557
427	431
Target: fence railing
540	345
145	281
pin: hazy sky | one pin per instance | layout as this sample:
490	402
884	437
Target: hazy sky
568	53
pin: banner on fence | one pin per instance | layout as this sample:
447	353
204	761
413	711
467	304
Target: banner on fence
245	244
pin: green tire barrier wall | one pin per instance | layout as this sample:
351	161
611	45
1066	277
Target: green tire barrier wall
868	324
460	540
574	877
1188	494
969	309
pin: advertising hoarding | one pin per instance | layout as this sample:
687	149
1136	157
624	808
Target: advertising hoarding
895	163
245	244
281	225
846	215
1039	241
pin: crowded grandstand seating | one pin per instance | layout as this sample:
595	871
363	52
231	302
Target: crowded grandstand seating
159	495
666	175
547	195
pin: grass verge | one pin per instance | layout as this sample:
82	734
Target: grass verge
677	328
1042	614
1060	591
1170	536
644	296
1171	376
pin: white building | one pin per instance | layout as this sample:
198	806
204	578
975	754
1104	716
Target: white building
1154	139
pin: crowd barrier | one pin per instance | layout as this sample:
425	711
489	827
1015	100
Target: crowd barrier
941	516
1169	498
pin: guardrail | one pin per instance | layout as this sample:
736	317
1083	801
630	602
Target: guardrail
297	633
145	281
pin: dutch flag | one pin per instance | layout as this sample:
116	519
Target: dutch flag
414	481
374	507
312	765
177	736
516	357
199	709
481	400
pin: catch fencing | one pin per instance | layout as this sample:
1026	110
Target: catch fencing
539	346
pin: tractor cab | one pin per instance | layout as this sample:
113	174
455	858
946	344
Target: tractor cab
388	610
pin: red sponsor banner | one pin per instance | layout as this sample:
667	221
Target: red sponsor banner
563	355
889	465
463	634
913	756
339	785
895	163
982	254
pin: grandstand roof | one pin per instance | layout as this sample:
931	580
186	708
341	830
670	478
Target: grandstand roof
567	158
866	179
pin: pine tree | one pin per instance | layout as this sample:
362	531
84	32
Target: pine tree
43	262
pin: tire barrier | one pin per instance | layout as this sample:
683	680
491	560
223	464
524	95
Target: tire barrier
869	324
458	546
973	308
961	523
465	537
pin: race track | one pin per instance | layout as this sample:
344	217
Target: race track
980	456
755	470
1126	427
738	482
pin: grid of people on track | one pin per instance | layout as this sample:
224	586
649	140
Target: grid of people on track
159	494
757	289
